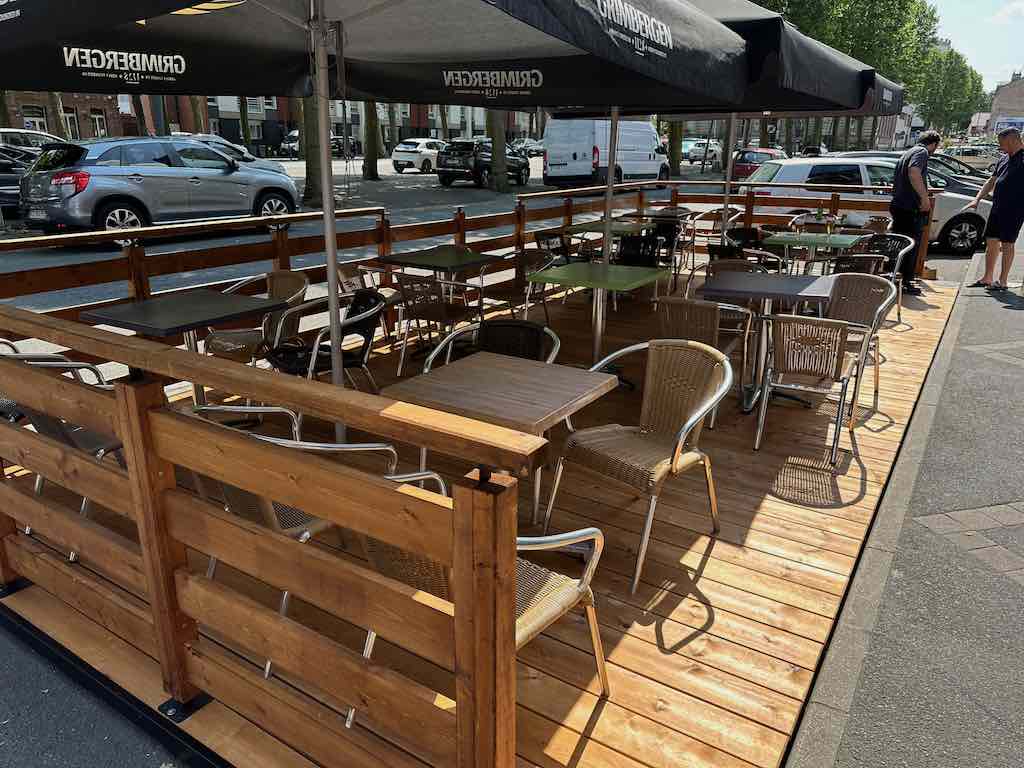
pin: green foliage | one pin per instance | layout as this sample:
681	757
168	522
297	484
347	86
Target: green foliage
955	91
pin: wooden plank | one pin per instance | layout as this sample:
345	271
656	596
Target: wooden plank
104	482
490	221
50	393
404	709
210	258
8	528
117	557
149	476
415	620
490	445
400	233
544	214
228	734
327	489
492	243
127	618
45	279
484	587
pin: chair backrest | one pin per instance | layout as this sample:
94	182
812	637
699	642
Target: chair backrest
690	319
808	346
421	294
812	222
879	224
351	278
291	287
859	298
552	242
745	237
366	302
515	338
732	265
681	376
857	263
533	260
638	251
720	251
894	247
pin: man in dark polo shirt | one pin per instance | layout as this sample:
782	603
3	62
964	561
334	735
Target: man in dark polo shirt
1007	215
911	206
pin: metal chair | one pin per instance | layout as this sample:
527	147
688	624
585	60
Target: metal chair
241	345
705	228
517	290
768	260
895	248
862	301
555	243
809	355
701	321
685	381
814	222
878	224
426	302
744	237
712	268
353	276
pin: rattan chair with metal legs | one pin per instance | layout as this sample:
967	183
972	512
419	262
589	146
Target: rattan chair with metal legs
863	302
807	355
685	381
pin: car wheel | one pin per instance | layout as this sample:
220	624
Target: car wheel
483	179
397	167
426	167
962	235
273	204
445	179
120	215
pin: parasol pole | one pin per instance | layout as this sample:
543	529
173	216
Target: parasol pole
609	194
728	174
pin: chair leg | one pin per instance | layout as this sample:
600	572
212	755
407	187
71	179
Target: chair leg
878	361
372	381
899	301
644	540
405	346
839	422
40	482
713	418
211	568
554	491
856	396
712	494
538	474
371	638
547	317
595	639
762	411
282	609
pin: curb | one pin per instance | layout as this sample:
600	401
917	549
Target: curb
819	732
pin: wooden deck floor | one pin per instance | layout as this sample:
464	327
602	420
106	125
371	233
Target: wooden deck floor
712	660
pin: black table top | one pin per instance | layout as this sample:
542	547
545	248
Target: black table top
441	258
757	285
179	312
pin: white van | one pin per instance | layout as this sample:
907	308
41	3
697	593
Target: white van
576	152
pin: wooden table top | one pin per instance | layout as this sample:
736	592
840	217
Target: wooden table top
525	395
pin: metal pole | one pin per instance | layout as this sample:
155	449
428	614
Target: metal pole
728	173
319	30
609	196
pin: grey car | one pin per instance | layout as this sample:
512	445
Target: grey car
124	183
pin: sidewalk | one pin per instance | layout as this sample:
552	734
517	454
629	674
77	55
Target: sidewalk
926	667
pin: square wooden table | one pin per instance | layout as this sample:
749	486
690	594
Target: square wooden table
526	395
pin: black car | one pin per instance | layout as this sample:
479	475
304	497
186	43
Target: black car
470	160
12	167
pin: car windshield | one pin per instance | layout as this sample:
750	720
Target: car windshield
56	158
766	172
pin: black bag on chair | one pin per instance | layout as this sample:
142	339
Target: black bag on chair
294	355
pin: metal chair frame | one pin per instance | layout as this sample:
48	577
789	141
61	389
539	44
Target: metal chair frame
901	252
434	290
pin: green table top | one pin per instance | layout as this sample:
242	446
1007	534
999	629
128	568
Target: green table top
441	258
612	277
597	227
813	240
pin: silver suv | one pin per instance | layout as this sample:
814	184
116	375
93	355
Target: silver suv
132	182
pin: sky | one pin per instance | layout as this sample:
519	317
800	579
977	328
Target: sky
989	33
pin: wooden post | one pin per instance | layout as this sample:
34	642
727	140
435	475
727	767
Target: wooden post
675	195
641	199
567	212
748	217
7	528
139	280
282	247
833	206
484	587
520	226
149	476
460	226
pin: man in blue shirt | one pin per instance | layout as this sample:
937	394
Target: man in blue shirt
1007	214
911	206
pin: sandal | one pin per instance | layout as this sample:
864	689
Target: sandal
980	284
997	286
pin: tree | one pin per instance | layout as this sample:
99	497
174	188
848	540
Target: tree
140	114
675	147
392	128
243	122
443	111
371	142
5	113
955	91
197	114
313	192
300	109
497	119
57	126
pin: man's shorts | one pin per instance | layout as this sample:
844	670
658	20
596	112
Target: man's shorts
1004	226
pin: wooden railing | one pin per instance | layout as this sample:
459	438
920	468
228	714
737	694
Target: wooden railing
212	638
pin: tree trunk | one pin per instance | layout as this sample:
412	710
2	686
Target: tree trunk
443	110
874	132
299	106
243	122
56	125
5	113
312	193
497	119
392	141
542	122
765	137
140	115
197	114
675	147
371	142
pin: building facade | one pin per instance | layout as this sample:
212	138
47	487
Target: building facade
1008	105
75	115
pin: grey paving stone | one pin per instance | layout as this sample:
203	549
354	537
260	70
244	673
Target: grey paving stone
1011	537
969	540
819	737
1017	576
1000	558
974	519
940	523
1008	514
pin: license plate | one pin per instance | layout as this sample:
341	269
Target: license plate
37	214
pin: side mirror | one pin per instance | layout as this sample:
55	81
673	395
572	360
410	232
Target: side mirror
232	165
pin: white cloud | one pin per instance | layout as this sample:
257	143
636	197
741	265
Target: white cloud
1009	11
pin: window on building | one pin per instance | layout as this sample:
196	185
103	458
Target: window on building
71	123
215	126
211	101
35	118
270	102
254	104
256	131
99	123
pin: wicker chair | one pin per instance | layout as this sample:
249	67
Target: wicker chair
685	382
806	355
704	272
701	321
862	302
895	248
241	345
518	290
426	302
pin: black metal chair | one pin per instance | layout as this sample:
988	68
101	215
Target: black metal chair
895	248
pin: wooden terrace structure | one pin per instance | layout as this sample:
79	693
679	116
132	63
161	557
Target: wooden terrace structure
710	662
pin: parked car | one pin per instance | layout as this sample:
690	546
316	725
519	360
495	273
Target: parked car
948	166
25	139
529	147
12	168
290	145
714	152
576	152
955	230
975	156
132	182
687	146
417	153
470	160
236	152
747	161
